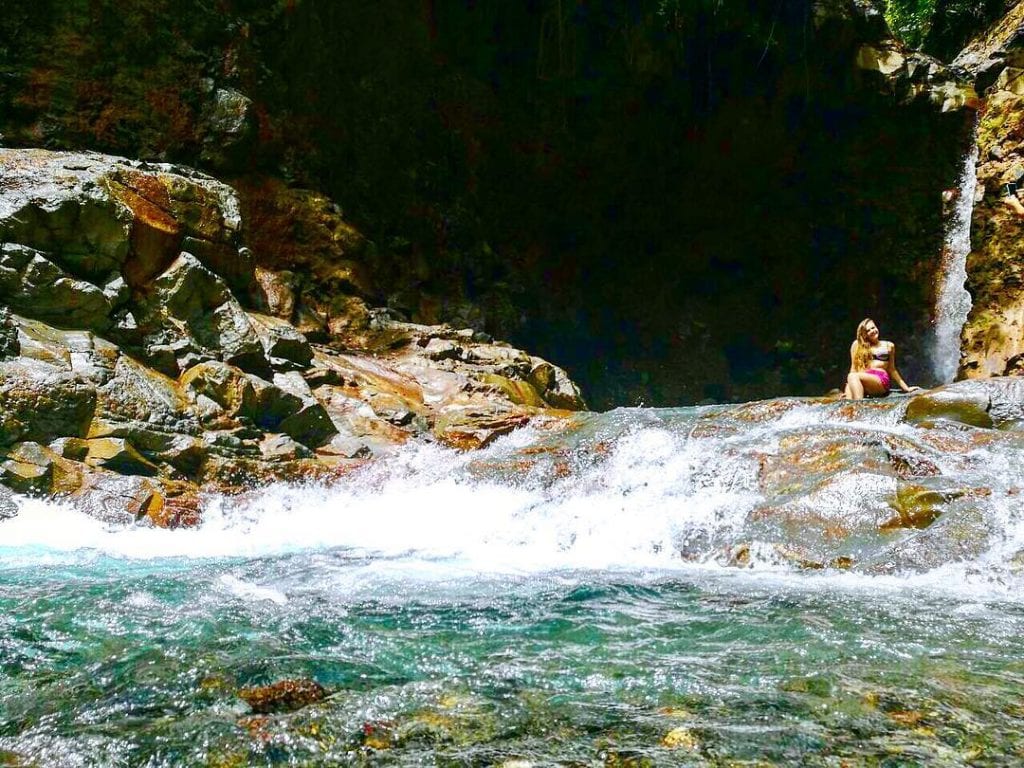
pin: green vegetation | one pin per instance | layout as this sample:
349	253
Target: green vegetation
910	20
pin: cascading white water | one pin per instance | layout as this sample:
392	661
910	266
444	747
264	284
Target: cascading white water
953	302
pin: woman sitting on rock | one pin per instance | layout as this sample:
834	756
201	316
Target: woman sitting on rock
872	365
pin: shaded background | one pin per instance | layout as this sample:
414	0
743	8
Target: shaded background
677	202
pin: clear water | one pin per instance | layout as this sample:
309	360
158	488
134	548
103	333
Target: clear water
522	606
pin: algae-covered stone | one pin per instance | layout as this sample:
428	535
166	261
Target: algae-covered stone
283	696
963	404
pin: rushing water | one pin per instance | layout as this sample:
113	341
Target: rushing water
528	605
953	301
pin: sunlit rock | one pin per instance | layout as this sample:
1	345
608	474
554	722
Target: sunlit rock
286	348
283	696
118	454
961	404
34	468
41	402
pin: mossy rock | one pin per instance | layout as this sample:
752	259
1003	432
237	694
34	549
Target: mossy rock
964	405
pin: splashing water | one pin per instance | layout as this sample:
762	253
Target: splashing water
529	605
953	301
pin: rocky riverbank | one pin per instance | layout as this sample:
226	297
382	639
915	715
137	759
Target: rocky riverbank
148	357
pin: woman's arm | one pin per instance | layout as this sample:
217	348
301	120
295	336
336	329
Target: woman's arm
895	374
853	357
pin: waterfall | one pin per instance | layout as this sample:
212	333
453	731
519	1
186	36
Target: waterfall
953	302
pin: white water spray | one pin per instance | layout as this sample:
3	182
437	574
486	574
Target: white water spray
953	302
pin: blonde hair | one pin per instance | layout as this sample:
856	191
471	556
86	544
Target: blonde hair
862	354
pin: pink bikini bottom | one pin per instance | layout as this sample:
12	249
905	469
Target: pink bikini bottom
881	375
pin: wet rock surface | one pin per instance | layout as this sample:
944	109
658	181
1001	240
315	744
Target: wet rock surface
993	337
134	350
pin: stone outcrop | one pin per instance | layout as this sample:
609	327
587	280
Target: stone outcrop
992	342
136	368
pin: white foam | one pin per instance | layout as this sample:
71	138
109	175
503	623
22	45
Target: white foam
432	514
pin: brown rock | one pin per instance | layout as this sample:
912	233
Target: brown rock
959	403
181	511
119	455
278	289
283	696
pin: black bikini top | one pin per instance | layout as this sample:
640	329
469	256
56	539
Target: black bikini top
880	356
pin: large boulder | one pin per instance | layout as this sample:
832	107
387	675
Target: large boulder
40	402
961	403
189	314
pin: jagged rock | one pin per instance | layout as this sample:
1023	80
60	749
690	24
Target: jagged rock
119	455
273	404
303	231
555	386
89	356
189	296
183	510
282	448
74	448
345	446
443	349
118	499
229	127
144	400
40	402
310	424
516	390
225	385
472	429
25	477
912	75
33	468
286	348
186	453
57	203
32	284
1002	45
278	292
151	253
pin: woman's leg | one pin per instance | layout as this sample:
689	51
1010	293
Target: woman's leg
862	383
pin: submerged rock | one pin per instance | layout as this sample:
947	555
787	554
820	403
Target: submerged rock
283	696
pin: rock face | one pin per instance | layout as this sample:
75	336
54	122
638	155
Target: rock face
135	370
619	208
993	337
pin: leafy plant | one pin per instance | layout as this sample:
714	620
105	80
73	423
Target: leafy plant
910	20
